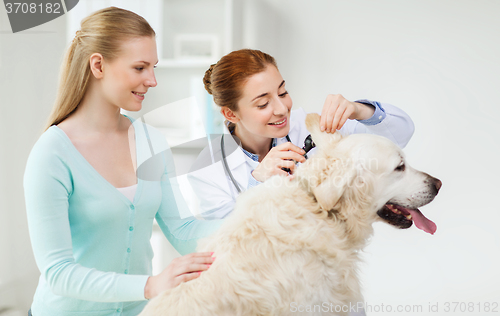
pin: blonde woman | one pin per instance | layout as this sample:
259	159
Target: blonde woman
90	215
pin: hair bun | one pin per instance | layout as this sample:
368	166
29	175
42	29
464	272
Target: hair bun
207	79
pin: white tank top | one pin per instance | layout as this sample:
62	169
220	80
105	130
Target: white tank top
129	192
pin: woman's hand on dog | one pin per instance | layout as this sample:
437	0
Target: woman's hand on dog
282	156
181	269
338	109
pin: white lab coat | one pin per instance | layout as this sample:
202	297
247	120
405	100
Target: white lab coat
217	193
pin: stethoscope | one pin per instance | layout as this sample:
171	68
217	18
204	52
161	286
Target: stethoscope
308	145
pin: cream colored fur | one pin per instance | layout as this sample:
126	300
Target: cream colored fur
291	243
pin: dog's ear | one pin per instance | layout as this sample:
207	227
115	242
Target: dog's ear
321	139
341	184
330	181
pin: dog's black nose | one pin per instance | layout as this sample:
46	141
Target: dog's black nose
434	183
437	183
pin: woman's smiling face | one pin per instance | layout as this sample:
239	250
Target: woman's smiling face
128	77
264	108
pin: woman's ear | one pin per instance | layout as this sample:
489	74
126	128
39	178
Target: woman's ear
229	114
96	65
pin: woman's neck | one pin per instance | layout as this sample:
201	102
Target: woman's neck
97	115
250	142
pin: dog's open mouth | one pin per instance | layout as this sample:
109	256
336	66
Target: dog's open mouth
404	217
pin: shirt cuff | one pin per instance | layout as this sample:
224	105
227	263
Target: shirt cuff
377	117
131	287
252	182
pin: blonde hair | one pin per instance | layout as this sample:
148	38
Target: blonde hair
101	32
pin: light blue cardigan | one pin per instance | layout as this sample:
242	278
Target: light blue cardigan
90	242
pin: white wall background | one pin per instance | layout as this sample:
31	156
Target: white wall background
437	60
29	64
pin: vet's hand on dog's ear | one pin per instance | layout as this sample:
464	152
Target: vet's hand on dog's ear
321	139
338	109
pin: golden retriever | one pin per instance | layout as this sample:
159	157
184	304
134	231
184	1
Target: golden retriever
291	246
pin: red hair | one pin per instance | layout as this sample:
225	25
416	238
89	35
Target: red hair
225	79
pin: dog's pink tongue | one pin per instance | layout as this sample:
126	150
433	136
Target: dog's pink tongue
422	222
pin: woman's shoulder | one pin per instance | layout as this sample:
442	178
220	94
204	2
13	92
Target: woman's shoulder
51	142
148	133
49	155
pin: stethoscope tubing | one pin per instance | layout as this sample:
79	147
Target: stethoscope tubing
226	167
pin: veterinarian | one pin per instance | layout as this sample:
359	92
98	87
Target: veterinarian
266	134
90	216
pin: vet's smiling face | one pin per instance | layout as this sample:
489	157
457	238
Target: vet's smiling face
264	108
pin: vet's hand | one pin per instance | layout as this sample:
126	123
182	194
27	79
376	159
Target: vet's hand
282	156
338	109
180	270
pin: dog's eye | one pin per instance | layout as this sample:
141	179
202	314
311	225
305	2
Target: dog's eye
401	167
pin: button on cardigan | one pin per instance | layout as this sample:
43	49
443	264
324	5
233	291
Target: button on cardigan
91	243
